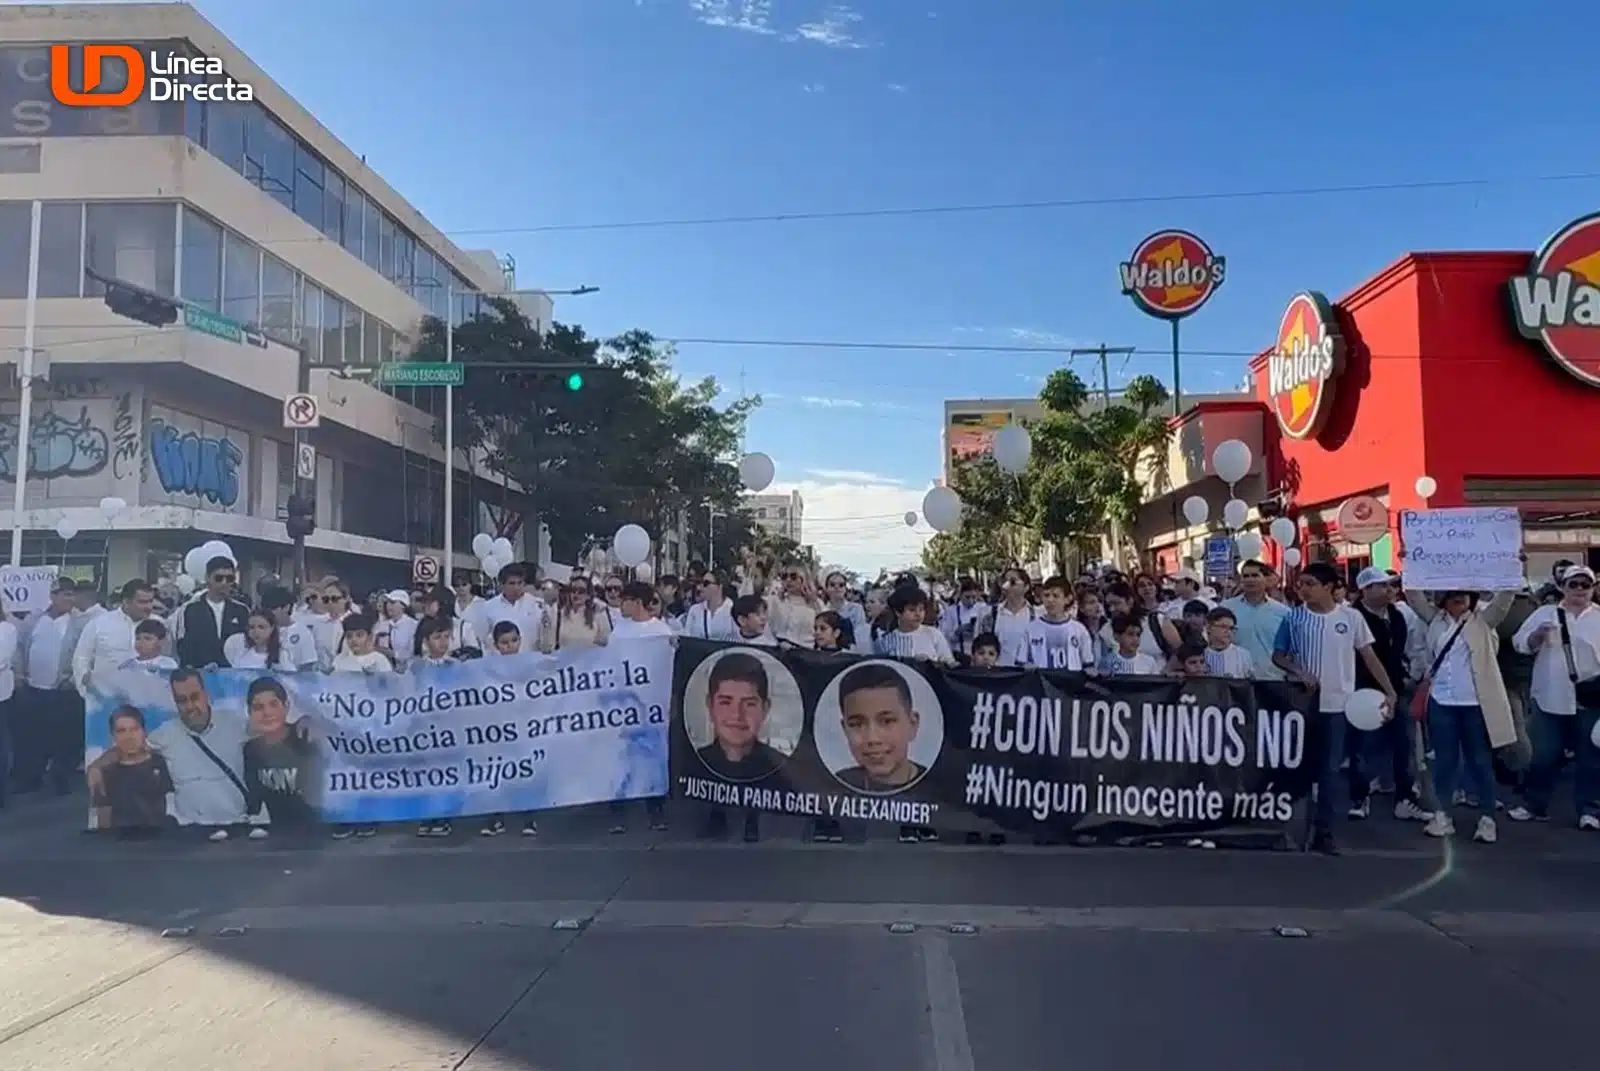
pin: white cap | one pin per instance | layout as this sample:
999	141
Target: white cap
1186	574
1372	576
398	596
1576	571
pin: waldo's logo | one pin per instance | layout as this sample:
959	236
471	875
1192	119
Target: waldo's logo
1302	368
1172	273
1557	304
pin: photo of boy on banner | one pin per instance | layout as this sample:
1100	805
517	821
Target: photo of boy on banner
879	727
744	714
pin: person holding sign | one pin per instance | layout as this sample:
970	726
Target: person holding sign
1565	642
1463	697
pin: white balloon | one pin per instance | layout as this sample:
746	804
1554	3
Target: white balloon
911	518
1364	709
631	545
756	472
1235	512
111	505
194	563
216	548
184	583
1283	531
66	529
1426	486
482	544
1291	557
1012	448
1196	509
644	572
1594	734
1249	544
1231	461
941	508
503	549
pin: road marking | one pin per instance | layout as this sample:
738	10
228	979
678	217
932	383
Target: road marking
947	1018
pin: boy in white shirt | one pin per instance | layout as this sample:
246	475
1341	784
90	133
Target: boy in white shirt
360	654
1128	630
397	632
1057	639
1224	658
638	619
435	635
507	638
910	638
750	622
149	636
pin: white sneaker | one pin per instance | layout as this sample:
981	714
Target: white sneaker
1411	811
1589	822
258	832
1440	825
1486	833
1358	811
218	836
1519	813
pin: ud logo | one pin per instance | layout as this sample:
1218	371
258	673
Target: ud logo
94	57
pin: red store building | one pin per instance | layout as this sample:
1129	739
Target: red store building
1481	370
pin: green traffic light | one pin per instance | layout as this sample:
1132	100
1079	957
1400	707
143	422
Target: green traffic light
575	381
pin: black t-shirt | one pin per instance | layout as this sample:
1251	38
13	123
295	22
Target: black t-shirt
763	761
285	777
136	793
859	779
1388	643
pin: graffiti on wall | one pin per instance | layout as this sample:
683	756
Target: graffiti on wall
124	438
62	442
195	462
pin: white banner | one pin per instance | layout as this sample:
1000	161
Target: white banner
1476	548
25	589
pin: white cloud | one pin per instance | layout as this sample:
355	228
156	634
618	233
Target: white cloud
860	519
814	87
749	16
1034	337
832	403
837	28
896	87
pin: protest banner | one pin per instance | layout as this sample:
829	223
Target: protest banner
1473	548
1053	753
495	735
25	589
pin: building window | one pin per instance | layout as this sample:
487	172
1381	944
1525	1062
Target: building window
132	241
354	206
385	244
241	280
371	340
202	261
60	250
225	123
405	258
333	206
277	297
332	329
269	156
311	319
352	334
309	177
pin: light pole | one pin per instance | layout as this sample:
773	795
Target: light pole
25	386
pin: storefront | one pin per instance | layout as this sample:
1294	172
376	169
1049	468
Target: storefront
1480	370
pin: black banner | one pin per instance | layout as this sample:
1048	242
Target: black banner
1049	753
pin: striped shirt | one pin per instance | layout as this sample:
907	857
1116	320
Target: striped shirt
926	642
1138	664
961	624
1324	646
1232	661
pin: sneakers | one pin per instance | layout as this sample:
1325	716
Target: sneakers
1409	810
427	829
343	832
1440	825
1589	822
258	833
908	834
1519	813
1359	811
365	832
530	828
1486	833
618	828
217	836
492	828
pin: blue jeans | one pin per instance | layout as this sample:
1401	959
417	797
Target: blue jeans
1337	730
1461	738
1551	735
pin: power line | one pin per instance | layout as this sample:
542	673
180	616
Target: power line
1030	206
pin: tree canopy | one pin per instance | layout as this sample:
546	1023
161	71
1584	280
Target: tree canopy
635	444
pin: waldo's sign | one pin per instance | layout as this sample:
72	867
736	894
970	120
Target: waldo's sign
1304	364
1557	304
1171	274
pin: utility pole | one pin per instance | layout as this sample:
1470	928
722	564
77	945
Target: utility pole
302	513
19	495
448	569
1105	353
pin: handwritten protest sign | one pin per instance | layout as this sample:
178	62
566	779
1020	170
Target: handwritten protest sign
1476	548
25	589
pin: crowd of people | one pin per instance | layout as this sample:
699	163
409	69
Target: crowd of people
1486	695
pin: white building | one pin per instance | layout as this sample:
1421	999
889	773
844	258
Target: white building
777	514
255	212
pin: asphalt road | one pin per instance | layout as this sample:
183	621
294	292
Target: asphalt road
589	952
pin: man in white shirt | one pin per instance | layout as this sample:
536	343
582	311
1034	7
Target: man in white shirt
1318	644
712	617
963	620
47	715
516	604
638	618
1565	642
107	639
1186	589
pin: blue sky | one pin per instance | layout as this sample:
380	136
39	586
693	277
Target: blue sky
500	117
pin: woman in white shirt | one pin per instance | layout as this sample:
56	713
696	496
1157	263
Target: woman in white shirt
836	589
261	646
792	615
579	620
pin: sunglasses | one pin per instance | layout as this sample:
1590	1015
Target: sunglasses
222	578
1580	585
613	588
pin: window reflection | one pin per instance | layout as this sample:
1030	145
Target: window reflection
202	261
277	297
60	250
132	241
332	329
311	319
241	280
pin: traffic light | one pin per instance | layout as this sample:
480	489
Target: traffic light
302	516
139	304
575	381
